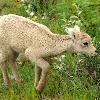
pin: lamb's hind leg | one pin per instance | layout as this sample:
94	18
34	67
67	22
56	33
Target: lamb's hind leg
3	67
14	68
15	73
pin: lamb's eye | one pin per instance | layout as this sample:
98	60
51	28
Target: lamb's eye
85	43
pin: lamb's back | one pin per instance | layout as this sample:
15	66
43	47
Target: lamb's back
21	32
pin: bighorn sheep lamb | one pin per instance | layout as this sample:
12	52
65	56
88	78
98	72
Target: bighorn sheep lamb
21	35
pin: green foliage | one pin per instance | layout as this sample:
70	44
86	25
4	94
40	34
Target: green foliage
12	6
71	77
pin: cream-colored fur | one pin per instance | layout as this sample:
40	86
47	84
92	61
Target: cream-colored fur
36	42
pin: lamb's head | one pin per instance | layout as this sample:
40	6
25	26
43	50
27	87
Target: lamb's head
81	41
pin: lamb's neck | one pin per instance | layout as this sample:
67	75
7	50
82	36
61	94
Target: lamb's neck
63	43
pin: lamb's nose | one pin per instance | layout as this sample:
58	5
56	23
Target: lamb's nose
96	51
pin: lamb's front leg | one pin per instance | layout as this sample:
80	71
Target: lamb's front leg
44	65
37	74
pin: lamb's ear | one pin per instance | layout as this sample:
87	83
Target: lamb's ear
77	28
71	32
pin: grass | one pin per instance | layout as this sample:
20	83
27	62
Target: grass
67	83
70	77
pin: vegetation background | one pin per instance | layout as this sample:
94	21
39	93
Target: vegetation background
71	77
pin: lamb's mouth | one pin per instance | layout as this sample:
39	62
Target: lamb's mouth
98	54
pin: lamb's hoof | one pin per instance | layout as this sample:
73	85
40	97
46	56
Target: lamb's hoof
39	89
40	86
